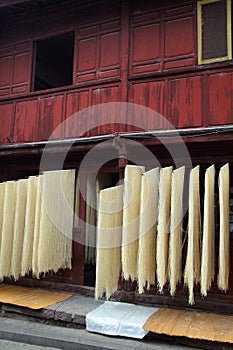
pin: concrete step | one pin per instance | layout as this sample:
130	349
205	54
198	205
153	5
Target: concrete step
74	339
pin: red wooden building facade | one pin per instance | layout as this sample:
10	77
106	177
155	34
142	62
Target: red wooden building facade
142	52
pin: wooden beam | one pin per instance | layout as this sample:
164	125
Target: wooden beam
6	3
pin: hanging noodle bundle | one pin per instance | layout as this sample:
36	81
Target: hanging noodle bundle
109	227
147	228
163	228
192	267
131	210
76	202
90	231
19	224
175	244
7	228
2	195
67	207
38	199
224	237
207	260
26	264
36	237
55	237
35	268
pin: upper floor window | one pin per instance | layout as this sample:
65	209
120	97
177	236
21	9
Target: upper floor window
214	31
54	62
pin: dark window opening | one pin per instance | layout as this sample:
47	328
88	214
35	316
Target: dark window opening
214	31
214	35
54	62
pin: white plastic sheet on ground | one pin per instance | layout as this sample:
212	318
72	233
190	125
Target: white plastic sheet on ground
119	319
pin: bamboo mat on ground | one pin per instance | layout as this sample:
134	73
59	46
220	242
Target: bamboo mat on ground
30	297
191	324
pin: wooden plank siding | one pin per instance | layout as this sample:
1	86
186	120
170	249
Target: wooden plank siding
179	99
142	52
162	38
15	68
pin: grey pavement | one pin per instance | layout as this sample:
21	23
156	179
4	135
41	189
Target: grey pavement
72	339
9	345
62	326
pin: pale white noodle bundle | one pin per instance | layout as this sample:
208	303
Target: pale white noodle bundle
175	244
131	213
192	271
207	259
109	236
147	228
224	234
163	226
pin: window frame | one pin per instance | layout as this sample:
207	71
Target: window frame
200	30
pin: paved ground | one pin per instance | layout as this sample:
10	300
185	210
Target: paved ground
10	345
62	326
72	339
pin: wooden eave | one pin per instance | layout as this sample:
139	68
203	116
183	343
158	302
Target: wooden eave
204	147
6	3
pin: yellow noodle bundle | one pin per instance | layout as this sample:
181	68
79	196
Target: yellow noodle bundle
26	264
131	212
90	231
2	195
19	225
207	260
224	234
56	223
163	226
35	268
76	202
147	228
175	244
67	212
192	267
109	228
7	228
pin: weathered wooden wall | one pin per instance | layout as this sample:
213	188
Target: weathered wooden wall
141	52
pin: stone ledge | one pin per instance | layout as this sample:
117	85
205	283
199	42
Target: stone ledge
72	311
